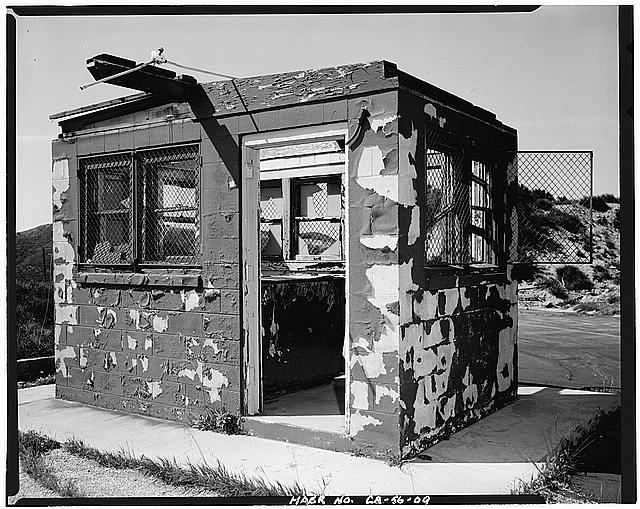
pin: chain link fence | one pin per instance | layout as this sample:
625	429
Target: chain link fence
554	209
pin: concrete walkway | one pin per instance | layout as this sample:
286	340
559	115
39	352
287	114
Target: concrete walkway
486	458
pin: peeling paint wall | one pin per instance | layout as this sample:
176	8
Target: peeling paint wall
458	328
166	342
375	191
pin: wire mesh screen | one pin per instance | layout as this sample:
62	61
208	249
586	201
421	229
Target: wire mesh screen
447	210
271	209
170	205
554	215
319	237
318	225
106	209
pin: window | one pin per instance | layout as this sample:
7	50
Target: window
301	201
141	207
458	218
481	213
317	223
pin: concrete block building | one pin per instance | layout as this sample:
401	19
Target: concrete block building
322	252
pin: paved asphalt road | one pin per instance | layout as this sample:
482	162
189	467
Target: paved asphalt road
567	350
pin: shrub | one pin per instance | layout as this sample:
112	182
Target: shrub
36	443
565	220
573	278
598	203
525	271
601	273
218	420
543	204
554	286
616	219
609	198
34	318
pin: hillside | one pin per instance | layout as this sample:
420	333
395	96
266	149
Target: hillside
585	288
29	245
34	294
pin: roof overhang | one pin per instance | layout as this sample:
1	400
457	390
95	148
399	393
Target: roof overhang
150	79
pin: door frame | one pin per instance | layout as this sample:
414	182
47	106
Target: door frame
251	259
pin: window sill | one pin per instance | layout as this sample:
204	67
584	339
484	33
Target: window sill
454	276
190	280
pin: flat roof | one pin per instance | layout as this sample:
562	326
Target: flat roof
230	97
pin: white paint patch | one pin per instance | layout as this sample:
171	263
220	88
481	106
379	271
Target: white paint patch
148	343
114	359
154	389
385	282
379	120
370	163
448	409
369	169
83	358
372	363
451	295
405	297
358	421
209	342
57	331
382	390
66	314
360	393
427	308
379	241
132	343
215	381
435	336
505	357
470	391
61	356
190	299
144	362
160	324
60	170
414	226
134	315
191	342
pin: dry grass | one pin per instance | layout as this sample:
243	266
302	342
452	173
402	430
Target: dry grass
200	476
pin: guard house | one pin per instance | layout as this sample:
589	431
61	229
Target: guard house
323	250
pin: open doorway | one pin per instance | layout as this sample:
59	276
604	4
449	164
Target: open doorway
296	295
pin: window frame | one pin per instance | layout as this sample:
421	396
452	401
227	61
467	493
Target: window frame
460	153
137	214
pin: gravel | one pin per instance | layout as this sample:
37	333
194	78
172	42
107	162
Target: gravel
29	488
93	480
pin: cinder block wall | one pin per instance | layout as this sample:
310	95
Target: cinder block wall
458	329
164	343
375	192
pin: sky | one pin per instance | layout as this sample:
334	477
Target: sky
552	74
